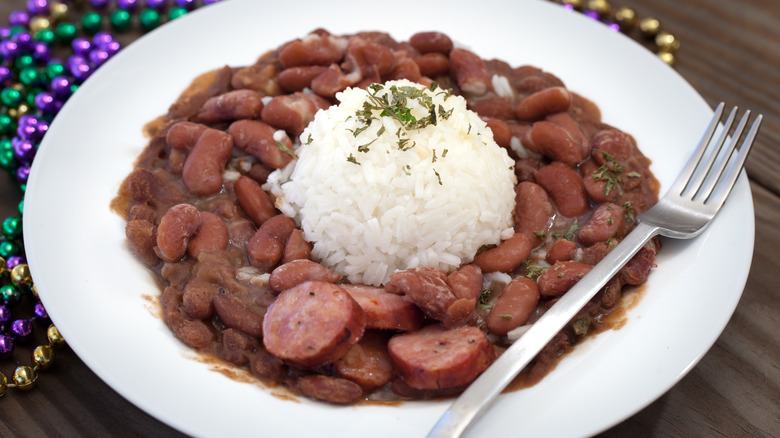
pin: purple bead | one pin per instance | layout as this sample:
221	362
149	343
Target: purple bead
46	102
19	18
5	32
157	4
112	47
101	39
5	74
22	329
98	57
81	46
209	2
28	120
13	261
128	5
81	71
24	151
40	312
23	39
22	174
60	86
592	14
38	7
186	4
9	49
6	346
99	4
41	52
5	314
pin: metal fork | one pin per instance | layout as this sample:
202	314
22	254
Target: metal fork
684	212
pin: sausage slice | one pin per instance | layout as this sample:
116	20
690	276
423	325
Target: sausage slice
313	324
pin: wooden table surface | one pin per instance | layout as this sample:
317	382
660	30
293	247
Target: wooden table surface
730	51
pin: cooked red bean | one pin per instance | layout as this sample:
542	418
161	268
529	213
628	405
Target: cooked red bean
507	256
405	68
312	324
560	251
565	188
235	314
514	306
367	363
427	42
365	56
330	389
313	50
541	103
606	222
237	346
595	185
183	135
177	226
233	105
202	171
296	272
298	78
259	77
196	298
296	247
140	234
561	277
439	358
193	332
432	64
385	310
616	143
266	247
637	269
470	72
428	289
466	282
293	112
211	236
255	202
265	366
533	210
556	143
332	80
502	134
495	108
257	138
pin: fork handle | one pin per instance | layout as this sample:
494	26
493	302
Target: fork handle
483	391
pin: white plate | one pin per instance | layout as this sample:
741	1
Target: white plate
94	288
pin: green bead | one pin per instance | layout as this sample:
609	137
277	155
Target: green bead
65	33
6	144
7	124
54	69
149	19
31	96
91	22
7	160
21	207
10	97
176	12
45	36
9	249
120	20
12	227
23	62
30	76
23	187
16	30
11	294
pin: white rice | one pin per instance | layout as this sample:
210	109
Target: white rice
397	209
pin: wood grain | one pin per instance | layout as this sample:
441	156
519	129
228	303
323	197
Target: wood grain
730	52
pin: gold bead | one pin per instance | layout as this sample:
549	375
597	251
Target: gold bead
25	377
58	10
575	4
667	42
3	384
34	291
54	336
43	356
3	267
667	57
649	27
13	113
601	7
625	18
20	275
22	109
38	24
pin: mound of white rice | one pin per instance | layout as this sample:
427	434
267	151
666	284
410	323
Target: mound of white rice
375	194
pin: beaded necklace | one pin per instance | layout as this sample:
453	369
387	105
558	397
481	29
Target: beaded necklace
35	83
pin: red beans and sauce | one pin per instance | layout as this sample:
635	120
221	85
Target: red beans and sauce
237	277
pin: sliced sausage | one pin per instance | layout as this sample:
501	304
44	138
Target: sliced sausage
385	310
438	358
312	324
428	289
367	363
